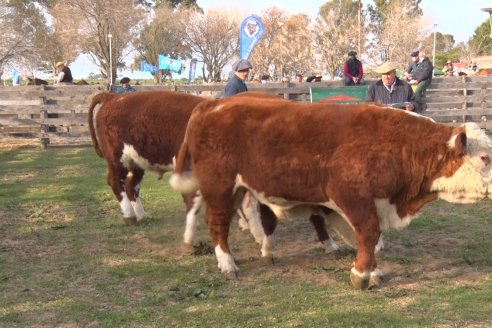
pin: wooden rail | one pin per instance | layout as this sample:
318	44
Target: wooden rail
44	112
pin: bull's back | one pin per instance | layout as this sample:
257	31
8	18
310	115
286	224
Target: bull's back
153	123
299	145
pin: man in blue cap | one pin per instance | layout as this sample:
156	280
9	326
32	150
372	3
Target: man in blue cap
412	66
236	84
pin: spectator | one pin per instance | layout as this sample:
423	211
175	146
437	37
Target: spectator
125	86
236	83
15	77
352	70
391	90
314	78
422	77
412	66
448	69
64	75
298	78
473	67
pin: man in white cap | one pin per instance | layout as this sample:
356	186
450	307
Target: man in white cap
390	90
64	75
236	83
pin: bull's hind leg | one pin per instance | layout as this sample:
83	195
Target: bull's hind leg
193	202
324	238
116	180
268	223
132	184
218	220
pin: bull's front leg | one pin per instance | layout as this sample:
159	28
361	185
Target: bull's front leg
364	273
218	221
132	184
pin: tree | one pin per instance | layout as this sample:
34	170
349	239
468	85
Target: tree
23	25
164	35
268	55
481	41
386	17
214	38
91	21
336	33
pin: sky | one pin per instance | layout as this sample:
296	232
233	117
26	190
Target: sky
457	17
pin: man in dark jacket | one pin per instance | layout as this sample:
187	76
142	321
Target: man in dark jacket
236	82
422	76
390	90
412	66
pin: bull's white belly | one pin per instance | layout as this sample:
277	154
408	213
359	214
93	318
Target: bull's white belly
131	158
387	214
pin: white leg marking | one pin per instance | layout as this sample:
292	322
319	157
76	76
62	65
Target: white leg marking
376	273
267	246
253	218
126	206
364	276
139	210
191	221
379	245
330	246
225	261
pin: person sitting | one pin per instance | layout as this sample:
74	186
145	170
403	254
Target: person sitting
64	75
298	78
125	86
422	77
412	66
390	90
448	69
352	70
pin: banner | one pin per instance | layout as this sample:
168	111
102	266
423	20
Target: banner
191	76
146	67
251	31
170	64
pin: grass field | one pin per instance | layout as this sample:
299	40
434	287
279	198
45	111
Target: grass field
68	260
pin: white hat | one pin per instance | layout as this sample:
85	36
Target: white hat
386	67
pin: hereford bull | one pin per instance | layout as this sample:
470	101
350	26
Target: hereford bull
142	131
136	132
373	165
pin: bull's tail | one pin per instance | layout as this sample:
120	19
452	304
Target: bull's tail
183	180
98	99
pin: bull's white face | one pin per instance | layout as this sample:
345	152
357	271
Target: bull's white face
473	180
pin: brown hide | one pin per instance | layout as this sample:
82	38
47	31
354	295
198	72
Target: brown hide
153	123
315	150
348	155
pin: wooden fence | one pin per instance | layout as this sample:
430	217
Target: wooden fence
58	115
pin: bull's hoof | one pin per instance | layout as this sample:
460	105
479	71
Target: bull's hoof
376	279
269	259
130	221
375	282
359	281
187	248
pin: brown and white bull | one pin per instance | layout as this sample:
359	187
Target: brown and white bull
375	166
138	132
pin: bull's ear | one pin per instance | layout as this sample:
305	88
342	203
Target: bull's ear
460	142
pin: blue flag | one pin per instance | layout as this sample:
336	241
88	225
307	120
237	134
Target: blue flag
146	67
251	31
170	64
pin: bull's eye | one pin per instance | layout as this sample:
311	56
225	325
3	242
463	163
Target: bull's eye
485	159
